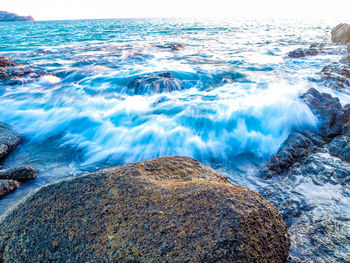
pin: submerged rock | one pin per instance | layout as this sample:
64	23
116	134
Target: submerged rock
156	83
19	174
12	73
163	210
341	33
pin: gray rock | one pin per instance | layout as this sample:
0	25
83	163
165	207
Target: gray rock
328	110
340	147
303	52
8	140
163	210
7	186
337	75
341	33
152	84
19	174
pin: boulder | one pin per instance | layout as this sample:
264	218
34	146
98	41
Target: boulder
8	140
19	174
163	210
155	83
341	33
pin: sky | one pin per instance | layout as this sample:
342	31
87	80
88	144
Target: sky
91	9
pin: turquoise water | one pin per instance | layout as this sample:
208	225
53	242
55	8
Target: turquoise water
239	102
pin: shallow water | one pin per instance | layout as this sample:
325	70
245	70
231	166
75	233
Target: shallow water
240	99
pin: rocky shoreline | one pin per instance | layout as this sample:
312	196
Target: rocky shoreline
176	210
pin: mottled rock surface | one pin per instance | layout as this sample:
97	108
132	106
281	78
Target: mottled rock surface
156	83
20	174
311	184
8	140
7	186
341	33
163	210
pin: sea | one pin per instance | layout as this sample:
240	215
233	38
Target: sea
239	99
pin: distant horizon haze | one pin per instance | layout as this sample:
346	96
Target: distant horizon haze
104	9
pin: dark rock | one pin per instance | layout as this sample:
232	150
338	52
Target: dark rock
8	140
10	17
291	151
337	75
341	33
303	52
328	110
19	174
7	186
163	210
340	147
156	83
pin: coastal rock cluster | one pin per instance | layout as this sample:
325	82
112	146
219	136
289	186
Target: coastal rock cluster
10	179
163	210
11	17
310	161
12	73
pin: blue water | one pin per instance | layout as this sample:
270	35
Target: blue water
240	99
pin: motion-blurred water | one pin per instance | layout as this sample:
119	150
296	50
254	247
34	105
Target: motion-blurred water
239	102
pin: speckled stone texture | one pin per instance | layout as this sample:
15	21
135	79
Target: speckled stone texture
8	140
163	210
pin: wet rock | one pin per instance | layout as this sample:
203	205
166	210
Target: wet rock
7	186
303	52
156	83
341	33
337	75
8	140
12	73
19	174
163	210
328	110
291	151
312	189
340	147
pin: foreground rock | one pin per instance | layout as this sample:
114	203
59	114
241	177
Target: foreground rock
341	33
7	186
153	84
10	17
311	183
163	210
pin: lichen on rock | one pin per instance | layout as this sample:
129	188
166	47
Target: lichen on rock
163	210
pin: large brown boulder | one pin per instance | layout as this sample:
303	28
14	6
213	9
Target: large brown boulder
163	210
341	33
